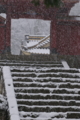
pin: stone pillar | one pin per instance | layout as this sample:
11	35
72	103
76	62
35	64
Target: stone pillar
53	37
8	30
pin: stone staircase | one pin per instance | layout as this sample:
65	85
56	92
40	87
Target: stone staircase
45	90
42	46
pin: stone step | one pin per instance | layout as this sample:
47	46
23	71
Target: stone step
45	71
47	109
44	97
48	103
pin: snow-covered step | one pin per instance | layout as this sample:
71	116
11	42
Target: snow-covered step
48	102
33	65
44	69
46	89
47	116
42	44
48	97
31	62
48	79
35	48
49	109
43	75
51	85
32	43
25	64
39	51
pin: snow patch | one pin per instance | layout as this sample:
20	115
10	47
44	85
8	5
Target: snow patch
65	64
39	51
75	11
3	15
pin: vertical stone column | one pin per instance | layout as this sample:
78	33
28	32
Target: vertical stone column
53	36
8	30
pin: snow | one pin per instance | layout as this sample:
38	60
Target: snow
3	15
22	69
32	43
39	51
79	70
21	27
2	98
46	118
14	117
3	102
44	73
66	66
42	115
10	93
75	11
35	49
42	94
35	42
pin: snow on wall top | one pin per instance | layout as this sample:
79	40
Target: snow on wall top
3	15
75	10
